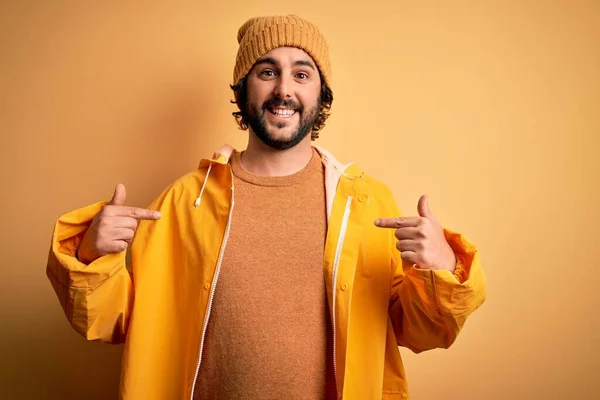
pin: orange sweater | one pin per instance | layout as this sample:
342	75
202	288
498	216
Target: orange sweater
269	335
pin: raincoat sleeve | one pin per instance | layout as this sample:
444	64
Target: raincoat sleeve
96	298
429	308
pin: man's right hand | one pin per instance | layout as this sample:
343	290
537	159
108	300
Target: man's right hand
113	228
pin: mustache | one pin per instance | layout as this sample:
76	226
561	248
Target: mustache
274	102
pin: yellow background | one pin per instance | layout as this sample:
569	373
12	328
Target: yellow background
490	107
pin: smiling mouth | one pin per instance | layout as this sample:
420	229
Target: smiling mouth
281	112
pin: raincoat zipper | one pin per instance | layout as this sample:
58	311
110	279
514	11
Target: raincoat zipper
336	262
212	294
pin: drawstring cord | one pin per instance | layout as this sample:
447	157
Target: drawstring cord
199	198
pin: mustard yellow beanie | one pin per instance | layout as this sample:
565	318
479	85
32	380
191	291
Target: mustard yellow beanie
260	35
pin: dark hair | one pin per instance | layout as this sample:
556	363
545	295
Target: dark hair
241	97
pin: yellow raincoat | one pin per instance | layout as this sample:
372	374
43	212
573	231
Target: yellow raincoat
158	301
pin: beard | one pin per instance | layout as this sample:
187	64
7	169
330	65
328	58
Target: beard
256	120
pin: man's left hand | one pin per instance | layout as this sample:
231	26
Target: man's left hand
421	239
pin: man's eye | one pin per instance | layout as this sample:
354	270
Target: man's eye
268	73
302	75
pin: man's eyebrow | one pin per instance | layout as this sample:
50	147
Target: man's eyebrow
267	60
305	63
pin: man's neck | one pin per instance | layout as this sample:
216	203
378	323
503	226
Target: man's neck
261	159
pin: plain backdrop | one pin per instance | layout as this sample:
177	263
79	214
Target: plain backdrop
489	107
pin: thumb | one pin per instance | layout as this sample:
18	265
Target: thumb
423	207
119	196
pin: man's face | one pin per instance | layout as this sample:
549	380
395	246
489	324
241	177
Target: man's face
283	93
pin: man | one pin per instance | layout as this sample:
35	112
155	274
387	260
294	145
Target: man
275	272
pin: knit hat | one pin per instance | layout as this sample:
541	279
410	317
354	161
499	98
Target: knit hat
260	35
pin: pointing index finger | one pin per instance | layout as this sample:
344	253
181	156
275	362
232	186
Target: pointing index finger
134	212
397	222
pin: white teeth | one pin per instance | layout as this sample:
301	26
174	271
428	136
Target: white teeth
283	112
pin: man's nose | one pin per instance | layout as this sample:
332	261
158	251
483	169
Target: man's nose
283	89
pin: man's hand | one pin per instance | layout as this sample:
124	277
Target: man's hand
421	239
113	228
